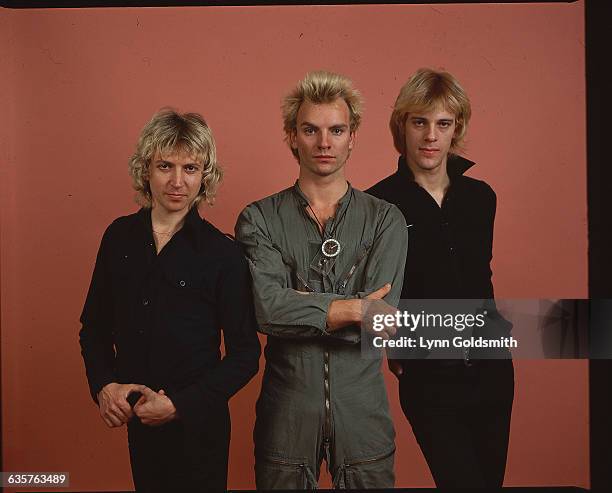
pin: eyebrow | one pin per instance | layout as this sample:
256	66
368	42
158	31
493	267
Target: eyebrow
163	161
413	118
337	125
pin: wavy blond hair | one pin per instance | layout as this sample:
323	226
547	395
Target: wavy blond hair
425	90
170	132
320	87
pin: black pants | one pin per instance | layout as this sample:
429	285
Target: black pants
174	457
460	416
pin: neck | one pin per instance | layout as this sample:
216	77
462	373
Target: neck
164	222
323	191
433	180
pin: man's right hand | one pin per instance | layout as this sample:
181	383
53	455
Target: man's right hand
345	312
374	304
112	400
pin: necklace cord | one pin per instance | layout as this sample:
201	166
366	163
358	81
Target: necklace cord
323	234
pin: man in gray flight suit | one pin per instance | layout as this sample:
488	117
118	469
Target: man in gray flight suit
319	252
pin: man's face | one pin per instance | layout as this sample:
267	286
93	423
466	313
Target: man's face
428	139
322	137
175	181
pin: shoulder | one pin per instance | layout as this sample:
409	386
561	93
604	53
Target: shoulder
477	189
255	216
121	227
269	203
383	210
384	187
219	245
367	198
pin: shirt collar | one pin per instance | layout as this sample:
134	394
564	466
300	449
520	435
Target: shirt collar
304	201
190	227
455	166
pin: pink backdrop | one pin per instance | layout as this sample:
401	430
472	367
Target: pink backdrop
77	87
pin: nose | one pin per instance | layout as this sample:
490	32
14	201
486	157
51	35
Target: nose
431	135
324	140
176	178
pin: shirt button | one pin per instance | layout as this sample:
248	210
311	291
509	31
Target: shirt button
145	302
182	283
451	249
140	331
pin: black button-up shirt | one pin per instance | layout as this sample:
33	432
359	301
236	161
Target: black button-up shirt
157	319
449	247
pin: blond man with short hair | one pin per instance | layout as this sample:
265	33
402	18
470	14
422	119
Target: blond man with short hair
318	252
460	408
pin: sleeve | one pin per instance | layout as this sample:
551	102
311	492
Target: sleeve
280	310
385	264
95	336
491	209
387	257
242	348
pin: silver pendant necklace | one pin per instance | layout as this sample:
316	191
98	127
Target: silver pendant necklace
330	246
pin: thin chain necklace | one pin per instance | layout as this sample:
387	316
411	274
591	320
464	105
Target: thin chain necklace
169	233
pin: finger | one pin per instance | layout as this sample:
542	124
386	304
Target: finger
114	420
119	414
147	392
383	334
131	388
391	330
118	409
380	292
162	392
139	405
125	408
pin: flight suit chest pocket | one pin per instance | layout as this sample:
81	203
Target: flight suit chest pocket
353	267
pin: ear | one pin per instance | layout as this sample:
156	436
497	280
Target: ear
351	140
292	136
458	127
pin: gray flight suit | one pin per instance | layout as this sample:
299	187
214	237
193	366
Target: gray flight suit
320	398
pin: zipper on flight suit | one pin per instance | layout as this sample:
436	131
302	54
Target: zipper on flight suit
327	391
310	481
370	459
340	481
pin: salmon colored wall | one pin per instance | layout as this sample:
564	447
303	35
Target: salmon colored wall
82	83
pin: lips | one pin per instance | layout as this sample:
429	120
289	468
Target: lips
428	151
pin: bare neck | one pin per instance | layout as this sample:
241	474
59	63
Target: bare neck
435	181
323	191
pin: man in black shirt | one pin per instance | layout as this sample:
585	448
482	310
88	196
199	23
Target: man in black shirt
164	285
459	409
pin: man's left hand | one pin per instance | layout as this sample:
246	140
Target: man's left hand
154	408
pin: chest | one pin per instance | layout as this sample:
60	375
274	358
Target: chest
331	260
176	284
462	224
